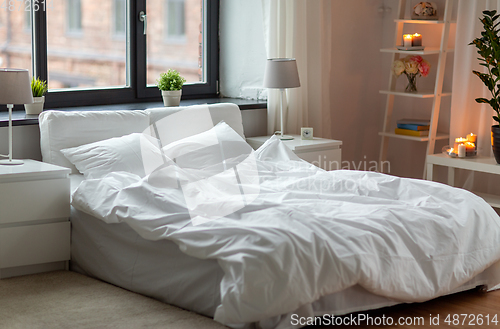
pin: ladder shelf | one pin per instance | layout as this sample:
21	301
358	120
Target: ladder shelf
436	94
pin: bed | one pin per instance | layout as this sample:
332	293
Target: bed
273	235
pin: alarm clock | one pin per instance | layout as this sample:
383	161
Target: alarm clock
306	133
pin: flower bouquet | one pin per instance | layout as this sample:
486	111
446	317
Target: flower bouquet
412	67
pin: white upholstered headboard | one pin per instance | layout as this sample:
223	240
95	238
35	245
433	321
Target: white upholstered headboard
64	129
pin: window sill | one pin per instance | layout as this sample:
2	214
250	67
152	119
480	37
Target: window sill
19	118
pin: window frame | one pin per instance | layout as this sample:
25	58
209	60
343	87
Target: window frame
137	91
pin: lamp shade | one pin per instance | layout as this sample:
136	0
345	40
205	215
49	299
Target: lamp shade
15	86
281	73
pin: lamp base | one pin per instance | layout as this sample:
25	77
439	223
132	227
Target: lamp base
285	137
11	162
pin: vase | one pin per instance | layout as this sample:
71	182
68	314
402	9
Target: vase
495	142
412	82
36	107
171	97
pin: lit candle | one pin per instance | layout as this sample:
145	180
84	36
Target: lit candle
407	40
459	141
461	151
472	138
470	148
417	40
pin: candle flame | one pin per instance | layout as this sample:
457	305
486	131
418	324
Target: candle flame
416	35
408	36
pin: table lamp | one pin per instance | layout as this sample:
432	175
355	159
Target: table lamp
15	88
281	73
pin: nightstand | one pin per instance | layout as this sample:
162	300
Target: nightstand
34	218
322	152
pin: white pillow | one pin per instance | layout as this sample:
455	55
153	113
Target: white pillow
207	149
136	153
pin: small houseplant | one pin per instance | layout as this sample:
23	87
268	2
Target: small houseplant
170	84
412	67
39	89
488	48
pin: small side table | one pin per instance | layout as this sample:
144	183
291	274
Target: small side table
481	164
34	218
321	152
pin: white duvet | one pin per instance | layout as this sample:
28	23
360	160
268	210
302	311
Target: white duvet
286	233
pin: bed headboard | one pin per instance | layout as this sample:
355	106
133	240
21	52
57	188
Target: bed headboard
64	129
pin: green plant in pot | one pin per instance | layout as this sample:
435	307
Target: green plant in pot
170	84
39	89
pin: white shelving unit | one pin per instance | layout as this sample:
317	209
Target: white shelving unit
437	94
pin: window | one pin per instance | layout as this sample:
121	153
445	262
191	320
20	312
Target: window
119	17
15	40
113	60
74	16
175	20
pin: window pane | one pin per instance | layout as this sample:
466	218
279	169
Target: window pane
15	49
82	49
175	39
120	11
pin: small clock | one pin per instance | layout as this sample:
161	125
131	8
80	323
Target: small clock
306	133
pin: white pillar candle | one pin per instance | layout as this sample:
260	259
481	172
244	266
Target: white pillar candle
461	151
407	40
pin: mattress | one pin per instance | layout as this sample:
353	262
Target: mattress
115	253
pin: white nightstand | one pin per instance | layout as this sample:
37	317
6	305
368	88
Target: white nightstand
34	218
322	152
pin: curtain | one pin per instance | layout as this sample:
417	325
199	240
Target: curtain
466	115
300	29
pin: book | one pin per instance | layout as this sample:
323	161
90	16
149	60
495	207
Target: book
408	132
417	122
412	127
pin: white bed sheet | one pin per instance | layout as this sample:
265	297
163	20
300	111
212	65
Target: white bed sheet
115	253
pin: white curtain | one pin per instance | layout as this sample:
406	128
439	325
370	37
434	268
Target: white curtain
300	29
466	115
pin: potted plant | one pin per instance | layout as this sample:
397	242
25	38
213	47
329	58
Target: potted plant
170	84
38	88
488	48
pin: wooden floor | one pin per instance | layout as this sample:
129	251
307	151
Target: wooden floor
472	309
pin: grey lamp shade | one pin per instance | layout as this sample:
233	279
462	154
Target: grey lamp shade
281	73
15	86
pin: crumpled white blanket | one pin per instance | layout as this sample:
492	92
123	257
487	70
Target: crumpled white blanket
301	233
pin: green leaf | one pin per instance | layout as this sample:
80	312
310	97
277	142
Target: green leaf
496	119
482	100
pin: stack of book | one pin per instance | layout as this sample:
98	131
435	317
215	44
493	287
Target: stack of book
413	127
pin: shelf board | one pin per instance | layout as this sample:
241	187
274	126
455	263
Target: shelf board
422	21
421	94
426	51
414	138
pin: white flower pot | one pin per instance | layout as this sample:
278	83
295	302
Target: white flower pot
171	97
36	107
